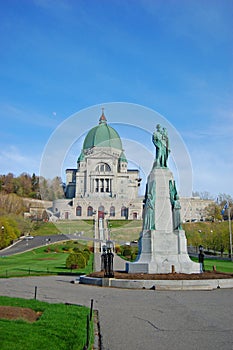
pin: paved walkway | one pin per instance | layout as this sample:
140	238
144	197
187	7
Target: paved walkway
142	319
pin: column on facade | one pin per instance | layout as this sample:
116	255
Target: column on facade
110	185
96	185
102	185
106	185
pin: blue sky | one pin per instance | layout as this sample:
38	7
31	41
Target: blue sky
174	57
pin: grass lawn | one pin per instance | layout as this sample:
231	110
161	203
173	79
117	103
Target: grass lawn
73	226
44	229
39	262
59	327
120	230
221	265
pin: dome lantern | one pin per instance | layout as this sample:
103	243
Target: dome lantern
102	118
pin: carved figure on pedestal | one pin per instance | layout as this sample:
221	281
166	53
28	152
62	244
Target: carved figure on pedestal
161	142
148	214
162	243
175	203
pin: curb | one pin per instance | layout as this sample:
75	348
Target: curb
97	336
209	284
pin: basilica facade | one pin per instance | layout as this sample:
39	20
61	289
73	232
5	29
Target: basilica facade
101	185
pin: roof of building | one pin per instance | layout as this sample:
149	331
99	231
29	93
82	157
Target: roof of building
102	135
123	158
81	157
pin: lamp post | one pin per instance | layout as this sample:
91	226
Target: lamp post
95	232
109	230
230	232
107	260
201	258
2	236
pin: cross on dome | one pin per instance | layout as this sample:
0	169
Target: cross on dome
102	118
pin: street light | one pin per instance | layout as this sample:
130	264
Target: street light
96	245
107	260
230	232
109	230
109	245
201	258
2	238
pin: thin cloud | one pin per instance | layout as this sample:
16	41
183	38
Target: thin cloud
12	160
21	115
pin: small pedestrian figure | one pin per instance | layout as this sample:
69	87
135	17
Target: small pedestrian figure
201	259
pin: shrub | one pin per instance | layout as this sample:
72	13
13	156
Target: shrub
127	252
86	255
81	260
75	260
76	249
117	249
72	261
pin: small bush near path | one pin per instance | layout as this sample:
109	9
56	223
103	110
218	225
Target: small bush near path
76	260
59	326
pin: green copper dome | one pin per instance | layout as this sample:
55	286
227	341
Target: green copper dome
81	157
102	135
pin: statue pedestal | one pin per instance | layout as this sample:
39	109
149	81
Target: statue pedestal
163	249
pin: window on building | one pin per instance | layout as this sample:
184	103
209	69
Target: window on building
124	211
90	211
103	167
112	211
79	211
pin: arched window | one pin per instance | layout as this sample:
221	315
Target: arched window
112	211
79	211
90	211
102	168
124	211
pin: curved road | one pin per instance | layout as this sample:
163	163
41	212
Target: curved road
27	244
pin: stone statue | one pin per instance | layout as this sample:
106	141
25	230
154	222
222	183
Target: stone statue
148	214
161	142
175	203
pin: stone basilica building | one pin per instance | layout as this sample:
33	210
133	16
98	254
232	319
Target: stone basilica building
101	185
